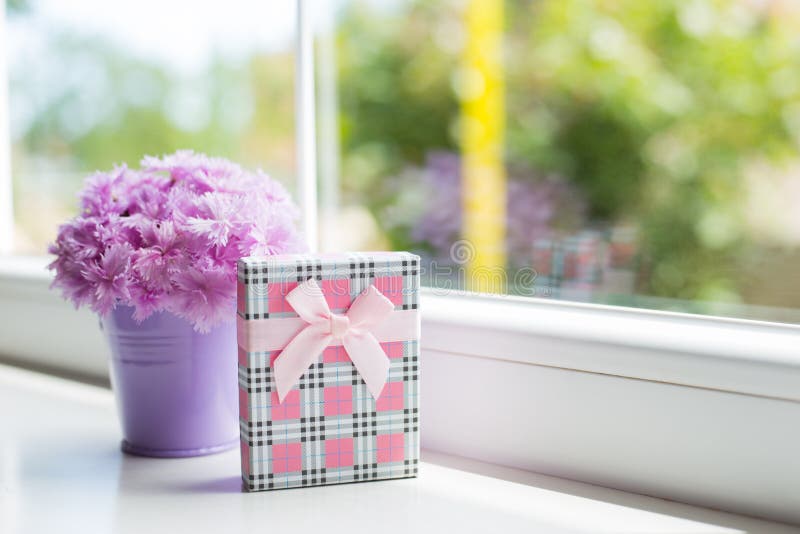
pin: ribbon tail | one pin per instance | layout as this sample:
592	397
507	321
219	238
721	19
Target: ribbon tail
295	359
368	357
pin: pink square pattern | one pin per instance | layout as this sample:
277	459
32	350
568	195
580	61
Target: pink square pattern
276	296
241	294
391	287
337	293
244	413
338	400
339	453
391	397
393	349
391	448
335	354
288	409
286	457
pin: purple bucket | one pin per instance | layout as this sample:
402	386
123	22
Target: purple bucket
176	389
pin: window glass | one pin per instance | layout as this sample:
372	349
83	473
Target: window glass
626	152
94	83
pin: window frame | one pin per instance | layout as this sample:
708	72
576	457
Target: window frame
305	125
658	403
6	185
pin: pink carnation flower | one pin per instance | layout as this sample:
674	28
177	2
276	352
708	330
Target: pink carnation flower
167	237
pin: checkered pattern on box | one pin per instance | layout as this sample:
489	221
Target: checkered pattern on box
264	282
329	429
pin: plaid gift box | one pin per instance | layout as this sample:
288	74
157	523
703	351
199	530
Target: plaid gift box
328	425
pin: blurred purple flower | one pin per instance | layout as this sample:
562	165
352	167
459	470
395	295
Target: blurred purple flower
440	226
167	237
535	208
205	296
109	277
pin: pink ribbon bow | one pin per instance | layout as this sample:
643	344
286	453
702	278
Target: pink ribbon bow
353	330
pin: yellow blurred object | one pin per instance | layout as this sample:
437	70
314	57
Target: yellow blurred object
483	124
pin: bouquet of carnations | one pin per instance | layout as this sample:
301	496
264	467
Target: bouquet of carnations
166	237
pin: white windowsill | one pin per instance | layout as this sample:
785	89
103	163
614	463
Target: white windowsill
741	356
88	485
696	409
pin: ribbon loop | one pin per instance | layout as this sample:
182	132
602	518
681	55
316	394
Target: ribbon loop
354	329
309	302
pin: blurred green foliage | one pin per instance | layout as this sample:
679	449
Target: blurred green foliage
124	108
396	101
657	111
17	6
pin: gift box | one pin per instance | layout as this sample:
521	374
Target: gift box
328	368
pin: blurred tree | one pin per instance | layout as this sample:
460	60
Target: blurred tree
17	6
653	109
394	85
